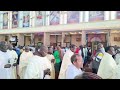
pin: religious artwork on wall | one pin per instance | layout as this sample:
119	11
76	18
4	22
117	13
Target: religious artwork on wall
54	17
26	18
14	19
73	17
96	15
5	20
96	37
118	14
39	18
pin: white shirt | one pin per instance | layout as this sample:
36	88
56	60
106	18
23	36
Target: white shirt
5	73
13	56
72	71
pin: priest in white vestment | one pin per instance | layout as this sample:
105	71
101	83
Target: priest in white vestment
66	61
117	59
24	59
75	68
37	65
13	60
108	65
52	61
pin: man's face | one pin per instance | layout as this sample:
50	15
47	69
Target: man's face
100	46
4	47
27	50
79	62
74	49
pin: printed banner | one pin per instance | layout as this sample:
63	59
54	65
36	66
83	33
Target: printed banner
96	15
54	17
26	18
73	17
118	14
5	20
14	19
39	18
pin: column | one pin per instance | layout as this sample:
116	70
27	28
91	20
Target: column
65	17
107	15
32	39
86	16
46	41
81	16
83	40
108	38
20	19
44	17
113	15
20	38
9	19
47	18
1	19
62	40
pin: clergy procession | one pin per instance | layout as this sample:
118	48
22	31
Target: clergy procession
43	62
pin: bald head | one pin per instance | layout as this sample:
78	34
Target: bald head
100	45
3	46
27	49
43	50
50	50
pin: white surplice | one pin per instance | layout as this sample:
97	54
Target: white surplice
72	71
117	58
36	67
50	57
117	73
65	63
24	59
107	67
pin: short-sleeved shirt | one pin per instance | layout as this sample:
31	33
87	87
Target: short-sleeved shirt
57	56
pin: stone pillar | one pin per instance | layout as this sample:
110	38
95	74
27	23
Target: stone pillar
10	20
20	38
83	40
62	40
108	38
32	39
46	41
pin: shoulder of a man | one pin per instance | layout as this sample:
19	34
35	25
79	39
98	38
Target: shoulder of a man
70	67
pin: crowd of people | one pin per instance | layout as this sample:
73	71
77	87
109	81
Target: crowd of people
42	62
